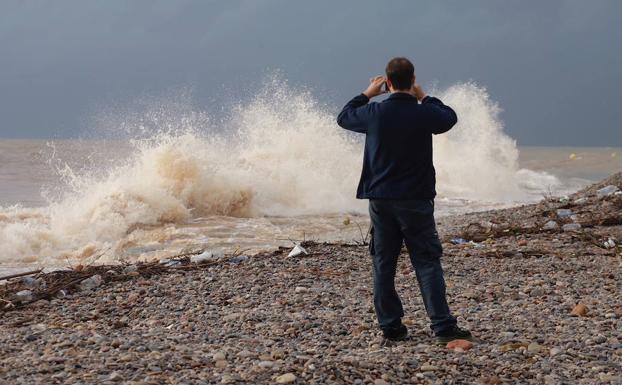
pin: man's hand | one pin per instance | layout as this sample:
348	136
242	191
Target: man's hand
375	87
418	92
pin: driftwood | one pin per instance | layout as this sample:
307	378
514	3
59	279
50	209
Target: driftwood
7	277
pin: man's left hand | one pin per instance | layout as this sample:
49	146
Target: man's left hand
375	87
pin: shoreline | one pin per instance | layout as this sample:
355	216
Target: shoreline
309	319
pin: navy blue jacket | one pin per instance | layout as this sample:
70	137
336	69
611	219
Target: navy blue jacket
397	163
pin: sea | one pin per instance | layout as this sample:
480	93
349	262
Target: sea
168	179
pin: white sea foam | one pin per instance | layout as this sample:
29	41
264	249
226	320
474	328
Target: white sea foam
282	154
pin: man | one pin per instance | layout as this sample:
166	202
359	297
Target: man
398	178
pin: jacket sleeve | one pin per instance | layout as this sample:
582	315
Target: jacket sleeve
441	118
355	114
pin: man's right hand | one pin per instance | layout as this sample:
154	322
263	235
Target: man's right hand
375	87
418	92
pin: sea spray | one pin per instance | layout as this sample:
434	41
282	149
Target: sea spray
282	154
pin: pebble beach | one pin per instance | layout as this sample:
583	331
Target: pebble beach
539	287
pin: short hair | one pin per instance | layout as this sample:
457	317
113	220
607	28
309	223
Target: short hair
400	71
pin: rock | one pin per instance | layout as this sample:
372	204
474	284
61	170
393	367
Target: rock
537	292
265	364
22	296
428	368
606	191
30	282
297	250
564	213
535	348
380	381
238	259
494	380
580	310
286	378
555	352
301	289
460	344
130	269
523	242
115	376
571	227
221	364
219	356
91	282
245	354
550	225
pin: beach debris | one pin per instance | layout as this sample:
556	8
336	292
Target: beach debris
297	250
238	259
91	282
346	221
459	345
458	241
169	262
564	199
23	296
607	190
286	378
203	257
7	277
571	227
580	310
206	256
130	269
610	243
563	213
30	282
580	201
550	225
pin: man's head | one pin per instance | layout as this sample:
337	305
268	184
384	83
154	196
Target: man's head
400	74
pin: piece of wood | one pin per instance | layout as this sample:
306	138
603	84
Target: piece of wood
7	277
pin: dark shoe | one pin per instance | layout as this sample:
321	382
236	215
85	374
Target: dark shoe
395	333
453	333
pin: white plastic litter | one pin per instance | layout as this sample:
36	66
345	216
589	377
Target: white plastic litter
606	191
297	250
610	243
206	256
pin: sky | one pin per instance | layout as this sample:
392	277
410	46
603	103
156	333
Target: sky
554	67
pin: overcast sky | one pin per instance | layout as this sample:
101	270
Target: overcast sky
555	67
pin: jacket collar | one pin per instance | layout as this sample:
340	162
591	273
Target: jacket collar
401	96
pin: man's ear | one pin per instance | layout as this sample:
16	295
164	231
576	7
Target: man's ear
389	85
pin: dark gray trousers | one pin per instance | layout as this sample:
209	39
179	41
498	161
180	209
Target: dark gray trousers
411	221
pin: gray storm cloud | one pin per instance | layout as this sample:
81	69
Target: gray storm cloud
552	66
